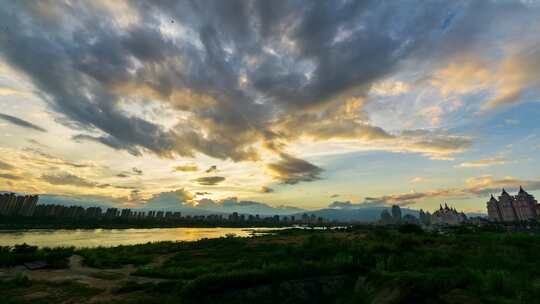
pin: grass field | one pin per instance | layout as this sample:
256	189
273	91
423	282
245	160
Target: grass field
357	265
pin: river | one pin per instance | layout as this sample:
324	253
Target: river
114	237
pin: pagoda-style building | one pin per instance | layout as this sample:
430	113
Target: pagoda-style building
519	208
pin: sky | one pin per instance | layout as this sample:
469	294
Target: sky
307	104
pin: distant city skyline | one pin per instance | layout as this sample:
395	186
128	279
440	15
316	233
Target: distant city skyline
287	104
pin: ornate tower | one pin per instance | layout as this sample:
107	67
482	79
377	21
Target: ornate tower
494	212
506	205
525	205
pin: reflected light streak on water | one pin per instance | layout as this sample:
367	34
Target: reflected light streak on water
115	237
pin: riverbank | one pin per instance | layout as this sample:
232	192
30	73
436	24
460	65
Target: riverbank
25	223
356	265
81	238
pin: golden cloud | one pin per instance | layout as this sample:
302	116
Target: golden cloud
506	80
483	163
186	168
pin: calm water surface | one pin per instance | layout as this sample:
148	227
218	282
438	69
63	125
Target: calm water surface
115	237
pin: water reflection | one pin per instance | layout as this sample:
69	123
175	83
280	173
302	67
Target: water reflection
115	237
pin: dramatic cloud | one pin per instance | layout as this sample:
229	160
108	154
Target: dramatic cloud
108	141
10	176
389	88
186	168
212	169
209	180
133	172
242	73
265	189
232	204
136	171
169	200
486	184
395	199
42	158
291	170
342	205
68	179
368	203
515	75
5	166
21	123
263	82
37	143
183	200
437	145
480	186
78	200
483	163
505	82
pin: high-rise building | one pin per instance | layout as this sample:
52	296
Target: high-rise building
17	205
396	213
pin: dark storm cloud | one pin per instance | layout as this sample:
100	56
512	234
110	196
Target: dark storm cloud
209	180
245	71
291	170
21	123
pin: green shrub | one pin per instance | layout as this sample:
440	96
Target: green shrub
411	228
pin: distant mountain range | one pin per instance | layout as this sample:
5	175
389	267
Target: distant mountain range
174	201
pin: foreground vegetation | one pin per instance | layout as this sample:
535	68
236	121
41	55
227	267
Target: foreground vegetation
20	254
356	265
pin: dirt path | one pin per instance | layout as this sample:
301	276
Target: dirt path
104	279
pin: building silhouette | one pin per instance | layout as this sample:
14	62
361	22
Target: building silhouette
447	216
391	219
519	208
386	218
444	216
13	205
396	213
424	217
